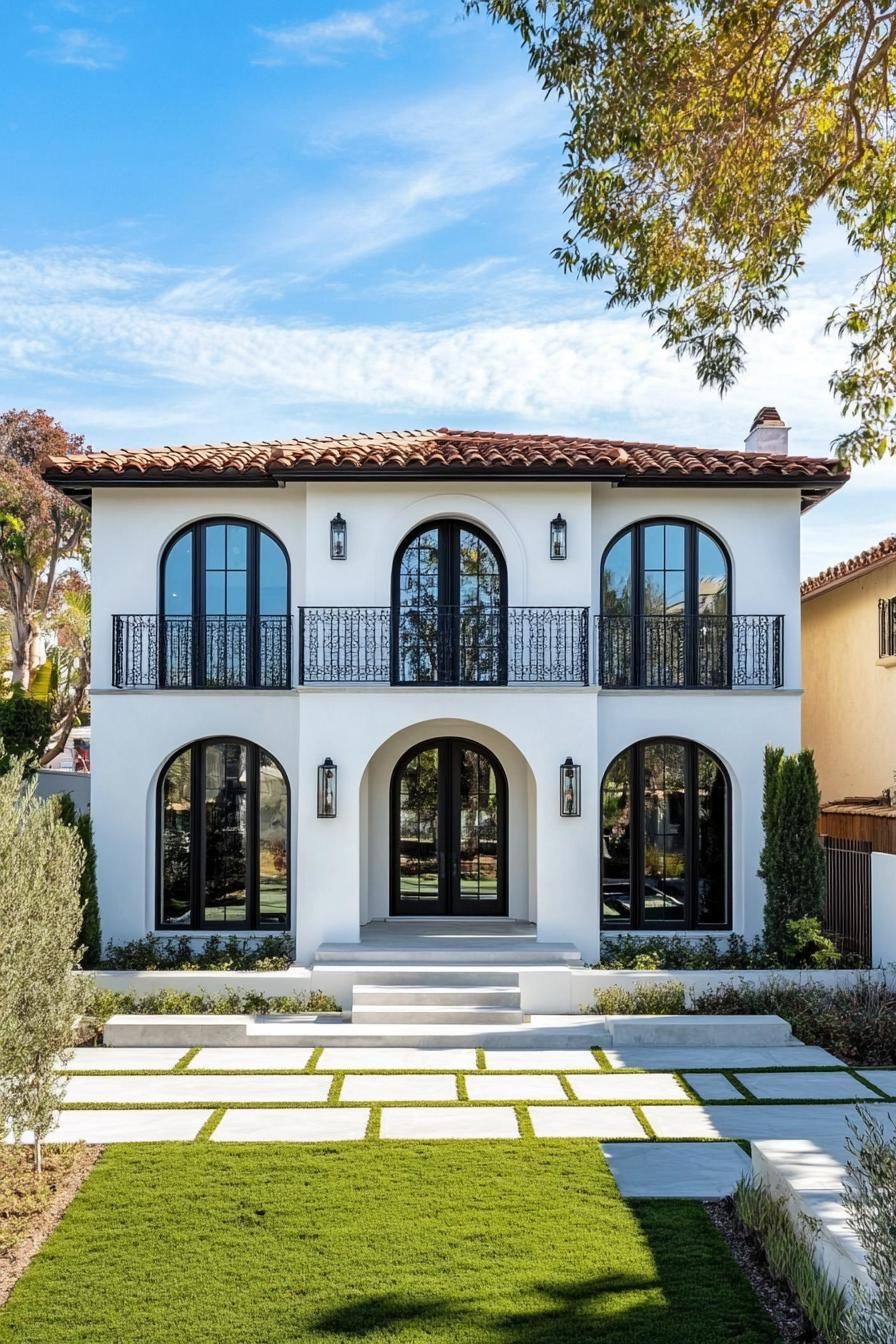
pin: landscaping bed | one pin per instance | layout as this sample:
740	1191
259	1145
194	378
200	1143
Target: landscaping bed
473	1242
31	1204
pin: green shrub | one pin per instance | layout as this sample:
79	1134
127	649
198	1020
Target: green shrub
25	728
90	937
856	1022
663	998
788	1249
276	952
805	945
103	1003
869	1196
792	860
672	952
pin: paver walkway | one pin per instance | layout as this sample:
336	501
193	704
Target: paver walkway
654	1099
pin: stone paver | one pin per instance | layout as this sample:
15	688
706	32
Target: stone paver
713	1086
98	1059
261	1058
804	1086
319	1125
818	1123
676	1171
554	1061
586	1122
200	1087
628	1087
399	1087
885	1079
496	1087
125	1127
395	1057
442	1122
676	1058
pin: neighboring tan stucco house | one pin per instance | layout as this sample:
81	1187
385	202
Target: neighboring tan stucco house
849	673
439	674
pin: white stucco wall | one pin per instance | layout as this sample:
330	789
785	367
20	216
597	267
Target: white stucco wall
340	866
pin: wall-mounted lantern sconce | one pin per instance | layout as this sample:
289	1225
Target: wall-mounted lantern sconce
326	789
337	538
558	538
570	789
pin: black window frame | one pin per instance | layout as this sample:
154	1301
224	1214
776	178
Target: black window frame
636	617
886	627
198	829
449	576
197	529
636	922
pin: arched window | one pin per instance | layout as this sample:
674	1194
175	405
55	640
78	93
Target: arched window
224	603
665	608
665	838
223	811
449	605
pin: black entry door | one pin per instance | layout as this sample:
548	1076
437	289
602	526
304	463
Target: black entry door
448	831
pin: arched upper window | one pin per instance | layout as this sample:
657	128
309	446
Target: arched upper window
665	838
223	812
449	602
665	607
224	603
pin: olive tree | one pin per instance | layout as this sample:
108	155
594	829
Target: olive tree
40	919
869	1196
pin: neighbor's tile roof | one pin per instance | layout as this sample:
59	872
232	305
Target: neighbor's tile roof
443	452
873	558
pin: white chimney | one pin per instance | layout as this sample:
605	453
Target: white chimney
768	433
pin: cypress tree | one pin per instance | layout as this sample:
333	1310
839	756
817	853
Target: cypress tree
90	937
792	861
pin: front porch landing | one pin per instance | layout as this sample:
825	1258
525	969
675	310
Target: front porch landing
449	942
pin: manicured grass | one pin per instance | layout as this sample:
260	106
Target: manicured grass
521	1243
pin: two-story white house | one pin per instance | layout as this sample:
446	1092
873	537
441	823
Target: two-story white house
442	675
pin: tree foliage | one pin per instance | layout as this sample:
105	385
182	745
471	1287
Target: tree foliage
702	137
869	1197
792	860
39	530
25	728
90	937
40	916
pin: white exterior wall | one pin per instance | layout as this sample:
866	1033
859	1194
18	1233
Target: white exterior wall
340	867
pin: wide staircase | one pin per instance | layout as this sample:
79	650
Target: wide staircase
442	997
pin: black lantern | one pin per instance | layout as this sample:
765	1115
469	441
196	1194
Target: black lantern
326	789
570	789
558	538
337	538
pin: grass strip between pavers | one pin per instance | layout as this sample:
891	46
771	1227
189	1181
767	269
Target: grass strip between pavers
517	1242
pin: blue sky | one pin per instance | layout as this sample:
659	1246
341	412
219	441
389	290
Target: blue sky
232	221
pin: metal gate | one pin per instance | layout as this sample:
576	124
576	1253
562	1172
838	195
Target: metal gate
847	907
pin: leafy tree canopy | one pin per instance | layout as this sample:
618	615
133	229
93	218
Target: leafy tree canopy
702	136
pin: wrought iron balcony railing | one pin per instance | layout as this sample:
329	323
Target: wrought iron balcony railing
207	652
445	645
689	652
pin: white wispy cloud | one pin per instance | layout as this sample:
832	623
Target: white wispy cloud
325	41
78	46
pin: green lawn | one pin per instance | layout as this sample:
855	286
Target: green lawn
524	1243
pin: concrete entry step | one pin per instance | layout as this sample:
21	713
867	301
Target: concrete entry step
436	996
441	977
449	952
413	1013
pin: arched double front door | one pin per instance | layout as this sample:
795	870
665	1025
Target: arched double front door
449	831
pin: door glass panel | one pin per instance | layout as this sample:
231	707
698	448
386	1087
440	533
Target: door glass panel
616	842
273	842
712	841
713	632
418	827
479	823
664	833
272	578
225	833
177	628
226	634
663	605
176	841
418	609
480	618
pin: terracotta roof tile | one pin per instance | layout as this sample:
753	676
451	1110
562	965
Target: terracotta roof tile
441	452
835	575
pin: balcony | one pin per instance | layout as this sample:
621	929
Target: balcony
445	646
202	652
689	652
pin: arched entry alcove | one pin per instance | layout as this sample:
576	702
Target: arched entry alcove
447	825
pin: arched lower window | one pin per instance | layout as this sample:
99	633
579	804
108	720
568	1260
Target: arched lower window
223	862
665	607
224	603
665	838
449	607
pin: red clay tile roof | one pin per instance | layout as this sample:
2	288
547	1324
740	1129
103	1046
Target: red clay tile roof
441	453
873	558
